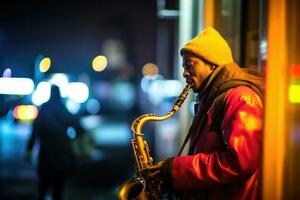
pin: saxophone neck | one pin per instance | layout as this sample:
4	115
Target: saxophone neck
140	121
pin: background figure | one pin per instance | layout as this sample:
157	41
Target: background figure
56	159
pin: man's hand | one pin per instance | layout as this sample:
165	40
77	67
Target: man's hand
155	170
161	173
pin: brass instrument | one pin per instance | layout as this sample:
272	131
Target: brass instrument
143	187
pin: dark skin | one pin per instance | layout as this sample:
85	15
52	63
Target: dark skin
195	70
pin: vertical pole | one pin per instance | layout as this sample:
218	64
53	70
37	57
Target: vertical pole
275	129
209	13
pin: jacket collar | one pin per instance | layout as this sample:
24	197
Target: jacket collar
225	74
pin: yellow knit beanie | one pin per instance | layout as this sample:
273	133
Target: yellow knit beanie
211	46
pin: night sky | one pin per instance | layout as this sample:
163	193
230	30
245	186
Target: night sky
71	33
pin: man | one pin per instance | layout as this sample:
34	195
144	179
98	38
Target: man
225	137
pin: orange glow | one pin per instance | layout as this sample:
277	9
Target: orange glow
209	7
275	102
248	100
295	71
236	142
25	112
196	166
150	69
251	122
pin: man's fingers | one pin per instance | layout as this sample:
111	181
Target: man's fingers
150	170
153	170
154	173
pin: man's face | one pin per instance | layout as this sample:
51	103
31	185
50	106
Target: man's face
195	70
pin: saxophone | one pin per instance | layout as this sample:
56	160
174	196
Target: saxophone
143	187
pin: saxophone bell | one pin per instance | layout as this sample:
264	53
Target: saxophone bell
134	188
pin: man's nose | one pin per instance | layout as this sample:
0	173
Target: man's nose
185	73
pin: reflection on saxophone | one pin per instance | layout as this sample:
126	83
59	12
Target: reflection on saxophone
143	187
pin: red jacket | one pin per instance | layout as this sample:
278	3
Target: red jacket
225	164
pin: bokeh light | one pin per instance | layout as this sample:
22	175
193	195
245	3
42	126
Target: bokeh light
99	63
41	93
128	97
93	106
16	86
62	81
150	69
73	107
294	93
45	64
71	132
25	112
78	92
7	73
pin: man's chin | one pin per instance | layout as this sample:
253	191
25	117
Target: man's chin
194	89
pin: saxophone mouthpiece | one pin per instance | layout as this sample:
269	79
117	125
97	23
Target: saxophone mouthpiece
182	97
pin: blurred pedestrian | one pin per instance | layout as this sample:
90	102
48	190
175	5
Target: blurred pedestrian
53	128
